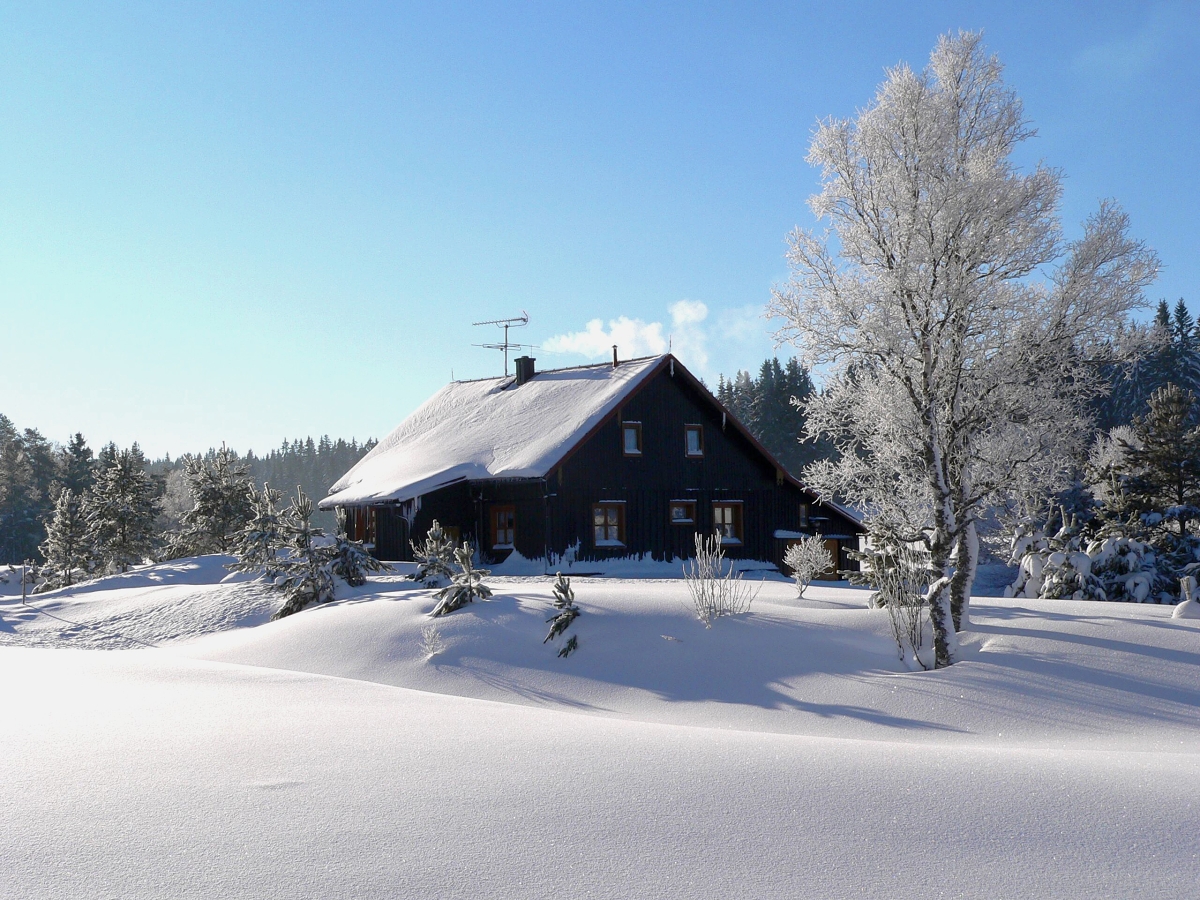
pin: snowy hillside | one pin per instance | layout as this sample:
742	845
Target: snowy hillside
784	753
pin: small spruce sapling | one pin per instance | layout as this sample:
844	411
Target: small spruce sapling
307	570
807	559
567	612
434	557
467	584
257	546
352	562
68	547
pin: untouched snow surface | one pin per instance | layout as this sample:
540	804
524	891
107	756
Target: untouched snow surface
782	753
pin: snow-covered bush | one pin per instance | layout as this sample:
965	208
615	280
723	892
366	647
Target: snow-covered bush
434	557
466	586
716	590
807	559
901	574
1113	565
567	612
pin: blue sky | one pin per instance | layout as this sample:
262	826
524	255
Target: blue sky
240	222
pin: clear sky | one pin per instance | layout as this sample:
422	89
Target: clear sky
239	222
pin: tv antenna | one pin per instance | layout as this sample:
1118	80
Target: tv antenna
517	322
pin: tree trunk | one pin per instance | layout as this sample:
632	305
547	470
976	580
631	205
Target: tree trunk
967	564
945	641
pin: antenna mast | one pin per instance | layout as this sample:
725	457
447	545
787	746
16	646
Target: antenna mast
517	322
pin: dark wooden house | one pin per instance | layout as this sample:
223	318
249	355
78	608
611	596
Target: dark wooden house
599	461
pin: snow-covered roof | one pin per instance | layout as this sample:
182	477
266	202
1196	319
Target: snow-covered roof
490	428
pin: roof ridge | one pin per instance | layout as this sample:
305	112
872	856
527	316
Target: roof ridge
598	365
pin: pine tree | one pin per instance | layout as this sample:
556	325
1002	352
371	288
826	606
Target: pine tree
306	568
434	557
1166	458
67	548
221	491
566	613
257	546
466	586
122	508
19	525
76	465
765	406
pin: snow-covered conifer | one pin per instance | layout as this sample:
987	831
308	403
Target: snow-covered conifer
77	466
306	567
68	547
121	510
221	492
466	586
258	544
566	613
807	558
434	557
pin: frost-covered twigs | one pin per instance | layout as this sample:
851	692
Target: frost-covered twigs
466	586
434	557
716	590
431	641
807	559
567	612
900	573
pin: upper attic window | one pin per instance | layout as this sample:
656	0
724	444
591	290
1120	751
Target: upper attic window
631	438
693	440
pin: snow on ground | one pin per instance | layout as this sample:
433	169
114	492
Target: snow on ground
783	753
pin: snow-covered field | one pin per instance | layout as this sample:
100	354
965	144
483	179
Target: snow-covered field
783	753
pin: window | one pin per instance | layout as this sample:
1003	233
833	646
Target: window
803	515
631	438
504	521
727	522
683	512
693	440
608	524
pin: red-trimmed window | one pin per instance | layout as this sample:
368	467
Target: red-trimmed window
504	526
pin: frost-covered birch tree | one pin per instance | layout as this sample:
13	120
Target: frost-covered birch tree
960	332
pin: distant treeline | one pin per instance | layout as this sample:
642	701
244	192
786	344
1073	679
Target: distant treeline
311	465
764	405
35	470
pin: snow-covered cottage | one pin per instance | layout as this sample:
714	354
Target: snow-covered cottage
604	461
